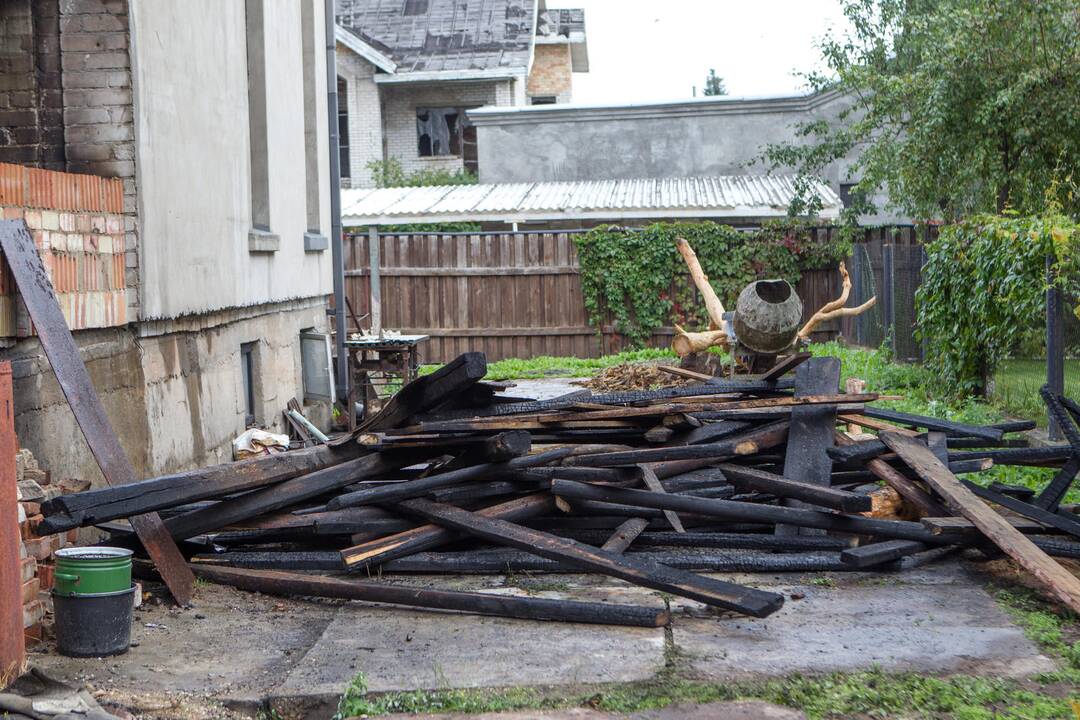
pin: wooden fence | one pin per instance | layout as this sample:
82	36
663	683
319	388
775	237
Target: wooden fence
513	294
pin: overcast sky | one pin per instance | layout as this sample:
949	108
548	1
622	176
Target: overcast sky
659	50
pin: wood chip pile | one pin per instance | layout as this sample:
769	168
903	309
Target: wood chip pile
653	487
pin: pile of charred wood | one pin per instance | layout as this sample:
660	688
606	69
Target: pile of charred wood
771	473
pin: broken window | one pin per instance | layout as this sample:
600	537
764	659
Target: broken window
439	131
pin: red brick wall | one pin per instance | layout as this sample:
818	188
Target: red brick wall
551	72
78	225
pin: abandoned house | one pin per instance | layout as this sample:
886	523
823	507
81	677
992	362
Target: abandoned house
700	137
409	69
190	252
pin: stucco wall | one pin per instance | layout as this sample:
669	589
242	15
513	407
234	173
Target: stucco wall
678	139
193	162
175	400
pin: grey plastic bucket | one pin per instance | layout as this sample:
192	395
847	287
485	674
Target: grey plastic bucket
93	625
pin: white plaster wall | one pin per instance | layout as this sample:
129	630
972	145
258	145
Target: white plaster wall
190	78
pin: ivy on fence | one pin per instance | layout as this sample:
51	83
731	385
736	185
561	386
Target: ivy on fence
984	288
638	277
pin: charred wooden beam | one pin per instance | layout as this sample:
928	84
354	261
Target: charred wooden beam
744	443
625	535
823	496
932	423
640	572
880	553
528	608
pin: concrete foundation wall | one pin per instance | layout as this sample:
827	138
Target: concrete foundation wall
175	400
194	164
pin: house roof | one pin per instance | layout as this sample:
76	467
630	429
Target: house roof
741	196
444	35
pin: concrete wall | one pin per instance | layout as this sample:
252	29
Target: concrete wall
365	116
714	136
193	160
175	399
551	73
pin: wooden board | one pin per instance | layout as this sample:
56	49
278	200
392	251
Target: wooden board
806	459
1062	584
37	293
650	574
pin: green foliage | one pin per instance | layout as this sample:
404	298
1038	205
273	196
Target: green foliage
446	227
714	84
389	173
957	106
983	288
640	279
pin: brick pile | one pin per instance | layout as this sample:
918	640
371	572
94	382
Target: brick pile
35	486
77	223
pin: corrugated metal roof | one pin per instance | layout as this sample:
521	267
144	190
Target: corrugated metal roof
442	35
750	196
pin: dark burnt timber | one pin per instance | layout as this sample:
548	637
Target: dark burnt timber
811	434
1056	579
431	536
1056	520
422	486
36	291
879	553
784	366
744	443
931	423
743	541
66	512
287	584
625	535
649	574
430	391
822	496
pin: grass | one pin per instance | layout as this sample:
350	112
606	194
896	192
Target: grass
1017	383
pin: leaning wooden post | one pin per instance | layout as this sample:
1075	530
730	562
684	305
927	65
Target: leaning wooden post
12	649
1055	343
373	276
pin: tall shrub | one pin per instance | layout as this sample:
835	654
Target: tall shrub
984	287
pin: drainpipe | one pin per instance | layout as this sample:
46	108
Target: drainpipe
340	328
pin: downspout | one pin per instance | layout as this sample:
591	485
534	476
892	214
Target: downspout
340	328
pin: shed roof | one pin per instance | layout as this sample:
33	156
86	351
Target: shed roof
729	196
444	35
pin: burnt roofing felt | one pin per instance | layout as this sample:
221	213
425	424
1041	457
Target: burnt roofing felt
432	35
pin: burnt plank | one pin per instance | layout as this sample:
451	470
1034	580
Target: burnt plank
625	535
823	496
429	391
784	366
880	553
747	442
932	423
647	573
529	608
1062	584
56	340
806	458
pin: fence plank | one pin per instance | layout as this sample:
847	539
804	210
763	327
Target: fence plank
518	294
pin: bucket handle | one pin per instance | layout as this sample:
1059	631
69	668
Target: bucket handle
66	576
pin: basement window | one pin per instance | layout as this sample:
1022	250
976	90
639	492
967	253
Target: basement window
439	131
543	100
247	373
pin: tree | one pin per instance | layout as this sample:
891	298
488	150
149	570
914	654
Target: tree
714	84
958	106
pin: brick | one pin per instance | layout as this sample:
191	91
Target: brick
50	220
29	527
30	590
30	491
86	116
46	575
88	152
33	613
42	548
101	133
34	634
97	97
94	42
29	568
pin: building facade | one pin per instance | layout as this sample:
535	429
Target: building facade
209	121
408	70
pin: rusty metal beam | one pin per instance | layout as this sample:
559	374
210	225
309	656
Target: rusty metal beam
12	649
59	345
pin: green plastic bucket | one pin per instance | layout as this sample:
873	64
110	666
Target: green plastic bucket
92	570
